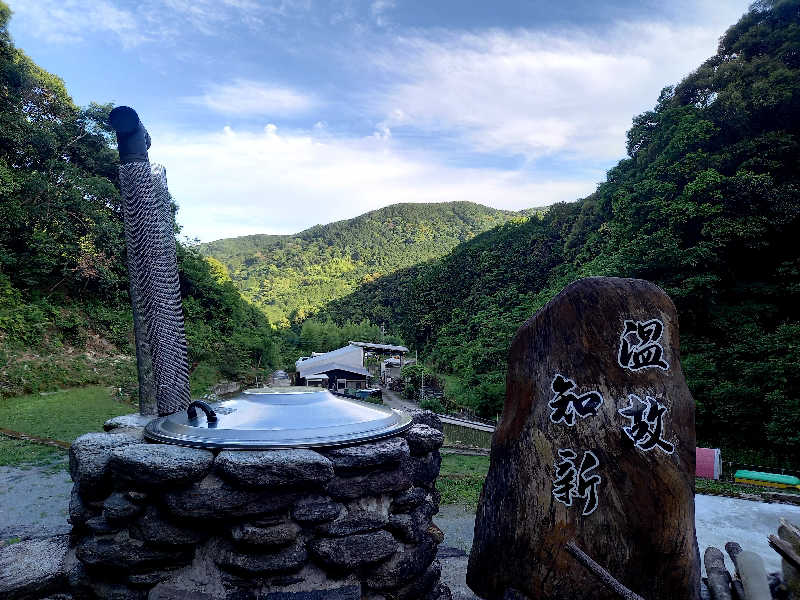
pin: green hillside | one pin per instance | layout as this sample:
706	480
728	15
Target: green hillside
706	205
293	276
65	316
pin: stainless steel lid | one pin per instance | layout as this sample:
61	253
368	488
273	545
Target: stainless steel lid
278	418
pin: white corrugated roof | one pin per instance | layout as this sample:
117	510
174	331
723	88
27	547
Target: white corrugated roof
386	347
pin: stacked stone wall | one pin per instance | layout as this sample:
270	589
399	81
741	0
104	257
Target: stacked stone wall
159	522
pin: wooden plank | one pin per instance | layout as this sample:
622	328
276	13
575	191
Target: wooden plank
785	549
606	578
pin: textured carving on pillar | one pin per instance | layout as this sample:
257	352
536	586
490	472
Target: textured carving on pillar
596	445
152	267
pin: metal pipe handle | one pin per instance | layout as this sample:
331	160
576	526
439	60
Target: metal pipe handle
191	411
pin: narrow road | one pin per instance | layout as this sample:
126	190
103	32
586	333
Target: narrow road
394	400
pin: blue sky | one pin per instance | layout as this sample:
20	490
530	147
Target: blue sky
274	116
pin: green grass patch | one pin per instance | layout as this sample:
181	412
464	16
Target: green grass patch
20	453
729	488
461	479
63	415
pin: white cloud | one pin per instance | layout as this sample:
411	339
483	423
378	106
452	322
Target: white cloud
71	21
68	21
538	93
244	97
235	183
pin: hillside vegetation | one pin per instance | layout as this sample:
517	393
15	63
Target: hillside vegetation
65	315
706	205
292	276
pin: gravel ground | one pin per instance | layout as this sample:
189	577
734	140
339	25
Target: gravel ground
33	503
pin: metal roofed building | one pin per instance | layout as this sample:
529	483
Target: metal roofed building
381	348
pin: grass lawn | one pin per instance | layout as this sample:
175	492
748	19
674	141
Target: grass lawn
461	479
62	415
19	453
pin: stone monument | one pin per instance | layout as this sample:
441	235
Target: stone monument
595	450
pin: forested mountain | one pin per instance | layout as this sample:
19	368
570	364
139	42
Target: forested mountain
706	205
64	308
292	276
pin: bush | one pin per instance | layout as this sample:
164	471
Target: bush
432	404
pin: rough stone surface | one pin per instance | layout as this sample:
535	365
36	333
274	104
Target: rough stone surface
316	509
642	527
376	454
273	468
424	470
79	511
101	525
33	568
349	553
120	551
312	583
420	586
212	498
275	535
154	528
354	522
89	456
128	421
409	562
369	484
413	497
423	439
426	417
288	559
118	508
160	464
413	527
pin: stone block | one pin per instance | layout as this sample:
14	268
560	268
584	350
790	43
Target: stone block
409	562
312	583
596	445
275	535
79	511
413	497
349	553
421	586
423	439
155	528
274	468
424	469
287	559
118	508
383	453
316	509
33	568
358	521
121	552
426	417
212	498
154	465
369	484
128	421
89	457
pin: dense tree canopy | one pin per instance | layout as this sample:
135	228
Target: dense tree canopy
64	306
706	205
293	276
